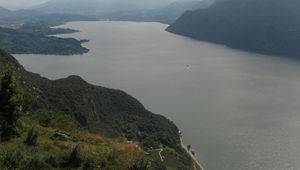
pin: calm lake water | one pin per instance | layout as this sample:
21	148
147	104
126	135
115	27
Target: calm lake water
238	110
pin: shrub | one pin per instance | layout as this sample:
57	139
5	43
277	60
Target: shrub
11	159
52	161
31	138
90	164
158	165
72	159
55	120
139	163
189	147
35	164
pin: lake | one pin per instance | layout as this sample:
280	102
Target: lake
238	110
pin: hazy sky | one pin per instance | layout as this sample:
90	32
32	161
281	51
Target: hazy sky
19	4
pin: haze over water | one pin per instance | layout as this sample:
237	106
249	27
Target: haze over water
238	110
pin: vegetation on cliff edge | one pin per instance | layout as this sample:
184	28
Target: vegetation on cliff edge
95	109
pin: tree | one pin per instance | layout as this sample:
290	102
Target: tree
11	100
72	159
139	163
189	147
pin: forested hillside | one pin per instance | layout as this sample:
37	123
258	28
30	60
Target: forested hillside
111	113
264	26
33	38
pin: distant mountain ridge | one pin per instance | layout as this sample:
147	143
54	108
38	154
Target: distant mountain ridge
98	6
167	14
166	11
264	26
4	11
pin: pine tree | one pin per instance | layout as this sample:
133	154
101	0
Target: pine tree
10	107
31	138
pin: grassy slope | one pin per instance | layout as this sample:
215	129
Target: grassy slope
101	110
53	152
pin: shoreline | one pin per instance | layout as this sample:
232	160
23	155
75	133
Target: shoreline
197	165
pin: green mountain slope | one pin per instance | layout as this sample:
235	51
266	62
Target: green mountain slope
264	26
50	140
100	110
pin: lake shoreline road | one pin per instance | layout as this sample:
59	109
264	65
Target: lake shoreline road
197	165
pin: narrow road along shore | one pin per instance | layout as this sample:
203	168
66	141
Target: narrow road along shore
197	165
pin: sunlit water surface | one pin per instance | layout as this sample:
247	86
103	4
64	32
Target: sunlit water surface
238	110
